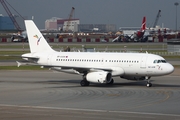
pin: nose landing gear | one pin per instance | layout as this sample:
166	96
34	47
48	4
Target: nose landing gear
149	84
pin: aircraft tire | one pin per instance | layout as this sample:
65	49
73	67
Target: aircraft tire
149	84
111	82
84	83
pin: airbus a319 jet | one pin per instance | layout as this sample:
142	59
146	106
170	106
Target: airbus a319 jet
94	67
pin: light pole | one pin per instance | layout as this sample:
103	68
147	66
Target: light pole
176	4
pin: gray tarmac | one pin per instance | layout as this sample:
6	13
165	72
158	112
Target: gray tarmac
44	95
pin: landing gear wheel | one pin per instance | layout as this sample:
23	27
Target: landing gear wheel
84	83
111	82
149	84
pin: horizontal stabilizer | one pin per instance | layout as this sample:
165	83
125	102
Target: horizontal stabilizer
24	63
29	57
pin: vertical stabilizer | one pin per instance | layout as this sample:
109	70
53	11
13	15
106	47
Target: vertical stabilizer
37	42
143	26
141	32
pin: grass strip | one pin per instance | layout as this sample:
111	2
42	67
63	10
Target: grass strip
117	45
22	68
11	58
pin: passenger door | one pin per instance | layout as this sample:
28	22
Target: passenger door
143	62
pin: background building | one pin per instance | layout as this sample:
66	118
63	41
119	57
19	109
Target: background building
73	25
51	24
69	25
96	27
7	24
62	24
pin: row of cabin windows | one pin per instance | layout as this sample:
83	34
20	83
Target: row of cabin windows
84	60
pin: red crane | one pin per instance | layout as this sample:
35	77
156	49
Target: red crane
157	18
4	4
70	17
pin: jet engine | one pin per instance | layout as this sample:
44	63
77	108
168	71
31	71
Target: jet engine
99	77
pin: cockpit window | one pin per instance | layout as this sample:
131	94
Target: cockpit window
159	61
163	61
155	61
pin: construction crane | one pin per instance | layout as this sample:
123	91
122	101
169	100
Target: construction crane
69	19
4	4
157	18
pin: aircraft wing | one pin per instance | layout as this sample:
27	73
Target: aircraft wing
97	69
82	70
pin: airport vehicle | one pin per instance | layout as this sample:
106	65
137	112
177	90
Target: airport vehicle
95	67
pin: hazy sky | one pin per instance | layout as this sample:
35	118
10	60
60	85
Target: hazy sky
123	13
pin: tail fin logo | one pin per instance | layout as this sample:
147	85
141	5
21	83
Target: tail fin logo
143	26
39	38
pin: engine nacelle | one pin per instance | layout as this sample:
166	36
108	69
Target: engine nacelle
99	77
136	78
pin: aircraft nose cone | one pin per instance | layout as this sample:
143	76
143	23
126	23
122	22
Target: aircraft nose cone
170	69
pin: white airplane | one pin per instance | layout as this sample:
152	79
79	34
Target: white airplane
95	67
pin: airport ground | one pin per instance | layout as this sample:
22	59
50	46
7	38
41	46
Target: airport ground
45	94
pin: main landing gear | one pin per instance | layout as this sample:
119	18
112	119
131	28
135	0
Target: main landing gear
111	82
149	84
84	82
